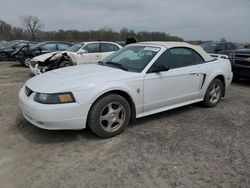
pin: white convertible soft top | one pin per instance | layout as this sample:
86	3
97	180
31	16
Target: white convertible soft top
168	45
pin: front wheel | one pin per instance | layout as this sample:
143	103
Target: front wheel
109	116
65	64
26	62
213	93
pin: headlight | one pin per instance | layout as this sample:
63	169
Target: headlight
57	98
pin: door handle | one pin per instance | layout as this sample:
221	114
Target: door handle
193	73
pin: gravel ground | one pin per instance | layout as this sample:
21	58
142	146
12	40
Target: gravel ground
190	146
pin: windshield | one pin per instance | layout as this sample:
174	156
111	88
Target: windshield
209	47
131	58
36	45
75	47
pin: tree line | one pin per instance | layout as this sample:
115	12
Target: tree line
33	31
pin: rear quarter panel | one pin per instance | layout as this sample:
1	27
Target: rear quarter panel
213	69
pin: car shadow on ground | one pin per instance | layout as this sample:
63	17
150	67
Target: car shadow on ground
242	82
17	65
166	114
41	136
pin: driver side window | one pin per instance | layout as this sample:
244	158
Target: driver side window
92	48
49	46
176	58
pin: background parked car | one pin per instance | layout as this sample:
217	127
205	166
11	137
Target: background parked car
9	48
83	52
14	55
240	60
219	47
2	42
25	56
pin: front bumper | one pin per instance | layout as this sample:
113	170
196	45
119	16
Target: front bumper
53	117
35	69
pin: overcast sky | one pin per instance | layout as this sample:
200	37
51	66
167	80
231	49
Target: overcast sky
190	19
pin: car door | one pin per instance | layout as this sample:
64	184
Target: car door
107	49
179	84
92	53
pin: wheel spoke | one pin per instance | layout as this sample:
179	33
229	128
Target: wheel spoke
110	108
109	126
104	117
120	121
118	110
211	92
217	90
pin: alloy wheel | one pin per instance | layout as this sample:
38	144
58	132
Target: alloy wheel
215	93
112	116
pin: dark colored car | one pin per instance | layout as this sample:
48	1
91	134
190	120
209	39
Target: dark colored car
240	60
9	48
219	47
2	42
26	55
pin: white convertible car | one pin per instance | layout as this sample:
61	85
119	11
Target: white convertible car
138	80
80	53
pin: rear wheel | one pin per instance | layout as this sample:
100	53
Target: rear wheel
109	116
3	56
213	93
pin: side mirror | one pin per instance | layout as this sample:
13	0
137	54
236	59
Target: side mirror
81	51
159	68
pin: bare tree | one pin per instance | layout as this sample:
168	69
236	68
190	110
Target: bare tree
32	25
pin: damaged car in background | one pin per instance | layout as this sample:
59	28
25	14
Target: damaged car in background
24	56
84	52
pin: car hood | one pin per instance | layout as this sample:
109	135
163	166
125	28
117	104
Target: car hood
77	77
242	51
43	57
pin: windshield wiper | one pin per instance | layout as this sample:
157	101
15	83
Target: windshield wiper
120	66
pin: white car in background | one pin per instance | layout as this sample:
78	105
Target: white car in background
138	80
80	53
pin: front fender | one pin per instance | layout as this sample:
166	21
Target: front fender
134	89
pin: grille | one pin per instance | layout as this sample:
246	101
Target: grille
242	55
241	59
28	91
242	63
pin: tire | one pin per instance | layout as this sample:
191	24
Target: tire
65	64
109	116
236	77
213	93
26	62
3	56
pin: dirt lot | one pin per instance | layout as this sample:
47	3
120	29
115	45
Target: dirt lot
188	147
